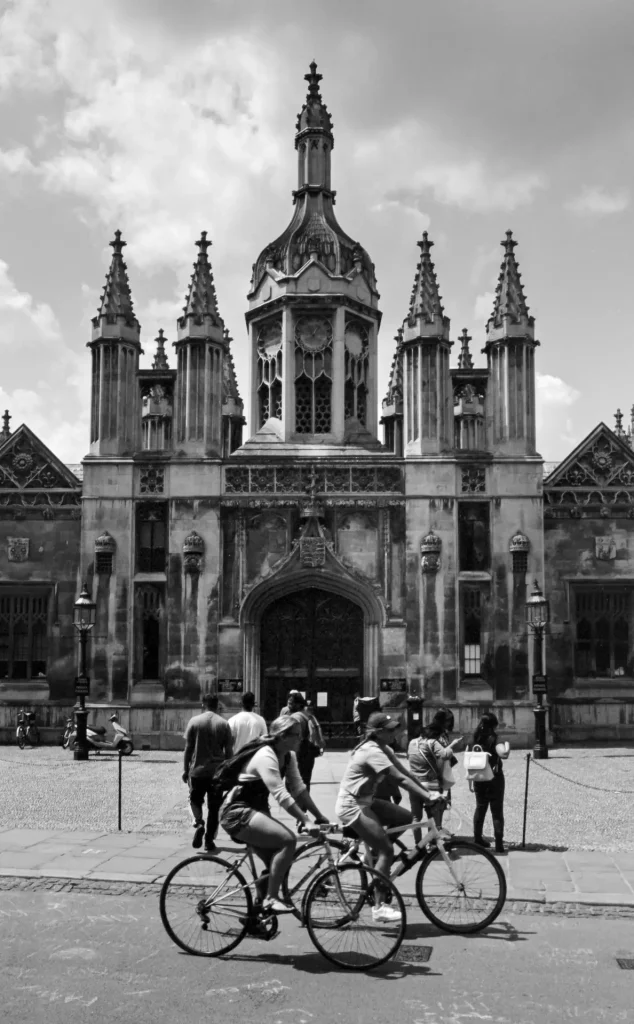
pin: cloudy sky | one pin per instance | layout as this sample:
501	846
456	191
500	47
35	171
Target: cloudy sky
465	118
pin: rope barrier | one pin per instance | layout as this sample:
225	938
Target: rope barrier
584	785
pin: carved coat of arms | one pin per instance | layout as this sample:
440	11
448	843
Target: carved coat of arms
605	548
312	551
18	549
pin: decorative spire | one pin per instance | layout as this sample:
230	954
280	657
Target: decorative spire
395	383
201	297
425	299
160	359
314	113
116	299
229	379
5	433
465	360
509	302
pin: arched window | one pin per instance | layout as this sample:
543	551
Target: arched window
269	371
356	371
313	375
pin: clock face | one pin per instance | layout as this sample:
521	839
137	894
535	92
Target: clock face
356	339
313	332
270	336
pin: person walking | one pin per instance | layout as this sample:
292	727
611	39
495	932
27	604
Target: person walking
429	756
312	740
246	725
208	742
489	794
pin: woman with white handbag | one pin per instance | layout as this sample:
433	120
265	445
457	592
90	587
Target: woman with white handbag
489	793
430	761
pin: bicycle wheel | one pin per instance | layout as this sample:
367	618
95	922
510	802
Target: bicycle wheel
21	738
470	901
205	906
307	863
341	922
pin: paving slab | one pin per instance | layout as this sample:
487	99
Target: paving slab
124	865
607	883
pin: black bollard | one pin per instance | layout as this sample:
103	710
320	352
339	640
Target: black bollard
120	760
528	762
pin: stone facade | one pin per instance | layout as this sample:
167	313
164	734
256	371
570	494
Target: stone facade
313	555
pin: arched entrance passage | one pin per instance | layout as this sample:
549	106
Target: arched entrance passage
312	640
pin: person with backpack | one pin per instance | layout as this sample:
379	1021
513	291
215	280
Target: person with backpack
208	742
312	741
490	794
262	769
428	757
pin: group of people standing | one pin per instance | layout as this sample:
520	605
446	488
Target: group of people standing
281	767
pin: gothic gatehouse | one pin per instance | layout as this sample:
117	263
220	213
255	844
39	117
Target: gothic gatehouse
334	550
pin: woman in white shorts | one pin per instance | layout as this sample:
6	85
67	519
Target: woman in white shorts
357	806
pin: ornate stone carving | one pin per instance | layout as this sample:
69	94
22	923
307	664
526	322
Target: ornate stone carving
430	552
519	543
193	551
26	463
473	480
296	479
600	480
312	552
18	549
105	547
152	479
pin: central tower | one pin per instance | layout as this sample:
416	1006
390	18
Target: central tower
313	313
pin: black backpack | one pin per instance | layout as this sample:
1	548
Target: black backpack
226	775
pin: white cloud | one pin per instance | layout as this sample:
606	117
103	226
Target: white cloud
483	307
438	171
555	430
23	321
598	201
15	161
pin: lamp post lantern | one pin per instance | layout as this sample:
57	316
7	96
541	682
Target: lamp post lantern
84	619
537	618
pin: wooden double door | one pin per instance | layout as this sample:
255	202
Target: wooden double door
312	641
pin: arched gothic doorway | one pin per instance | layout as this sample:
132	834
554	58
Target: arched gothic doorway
312	640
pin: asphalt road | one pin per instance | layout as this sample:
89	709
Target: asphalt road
82	958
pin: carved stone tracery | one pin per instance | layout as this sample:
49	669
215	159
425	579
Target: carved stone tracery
600	482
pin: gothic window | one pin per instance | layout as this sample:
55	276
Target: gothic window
151	522
412	384
602	631
23	634
473	536
356	371
313	375
269	371
150	600
471	631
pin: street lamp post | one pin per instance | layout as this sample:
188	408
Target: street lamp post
537	618
84	620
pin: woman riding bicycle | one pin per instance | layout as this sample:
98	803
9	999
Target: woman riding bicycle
246	817
357	806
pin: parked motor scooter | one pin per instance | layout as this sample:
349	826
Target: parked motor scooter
95	738
69	732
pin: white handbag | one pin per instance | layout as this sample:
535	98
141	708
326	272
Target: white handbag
476	765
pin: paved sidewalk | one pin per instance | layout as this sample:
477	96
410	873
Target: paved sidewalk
543	877
547	877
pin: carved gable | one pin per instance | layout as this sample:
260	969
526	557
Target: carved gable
597	478
26	463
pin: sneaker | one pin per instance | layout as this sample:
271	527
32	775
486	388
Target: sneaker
210	847
385	914
275	906
499	846
481	841
197	841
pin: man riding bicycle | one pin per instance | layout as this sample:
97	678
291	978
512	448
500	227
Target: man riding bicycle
357	806
246	818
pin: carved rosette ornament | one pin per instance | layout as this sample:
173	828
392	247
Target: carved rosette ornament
193	551
430	552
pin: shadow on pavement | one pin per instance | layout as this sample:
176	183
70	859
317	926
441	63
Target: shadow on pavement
499	930
314	963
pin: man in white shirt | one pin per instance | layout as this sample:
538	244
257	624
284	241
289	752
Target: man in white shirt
246	725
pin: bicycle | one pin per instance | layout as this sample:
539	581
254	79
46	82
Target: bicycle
27	731
207	908
456	878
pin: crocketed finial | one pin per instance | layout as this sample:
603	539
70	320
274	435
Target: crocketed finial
160	359
465	359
